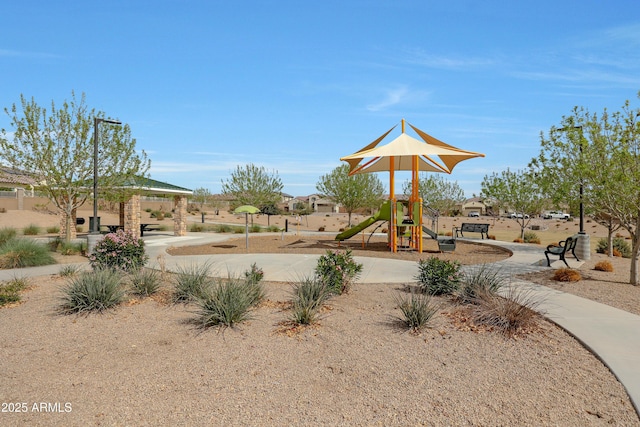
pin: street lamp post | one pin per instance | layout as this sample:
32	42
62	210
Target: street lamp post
96	122
584	245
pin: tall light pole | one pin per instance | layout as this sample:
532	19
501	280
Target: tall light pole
584	243
581	183
96	122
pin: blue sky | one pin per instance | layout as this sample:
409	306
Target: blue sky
295	85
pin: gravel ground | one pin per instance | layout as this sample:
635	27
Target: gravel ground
145	363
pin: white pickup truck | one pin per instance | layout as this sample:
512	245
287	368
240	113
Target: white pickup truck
556	215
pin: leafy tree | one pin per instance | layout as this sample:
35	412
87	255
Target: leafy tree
201	196
517	191
613	184
57	147
601	153
268	210
561	167
253	185
352	192
437	193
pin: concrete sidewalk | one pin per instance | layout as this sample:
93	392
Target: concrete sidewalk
611	334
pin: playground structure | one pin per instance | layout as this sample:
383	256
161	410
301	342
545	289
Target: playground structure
404	153
408	222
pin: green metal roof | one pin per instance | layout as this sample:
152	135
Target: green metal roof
158	187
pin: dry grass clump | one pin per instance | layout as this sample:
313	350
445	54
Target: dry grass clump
604	266
511	314
566	275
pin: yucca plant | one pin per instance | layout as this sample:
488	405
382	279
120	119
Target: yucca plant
225	303
69	270
417	310
476	280
308	296
145	281
192	282
97	290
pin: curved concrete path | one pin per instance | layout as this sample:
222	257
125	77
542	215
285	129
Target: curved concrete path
611	334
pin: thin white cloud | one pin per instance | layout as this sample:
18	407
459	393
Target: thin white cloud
392	97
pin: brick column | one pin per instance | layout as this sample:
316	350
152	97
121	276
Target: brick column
20	194
63	225
180	216
121	208
131	215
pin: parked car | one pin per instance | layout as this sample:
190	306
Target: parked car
556	215
474	214
518	215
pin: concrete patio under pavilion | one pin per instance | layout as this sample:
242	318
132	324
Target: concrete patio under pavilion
130	212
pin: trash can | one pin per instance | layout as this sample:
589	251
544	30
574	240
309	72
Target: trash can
91	224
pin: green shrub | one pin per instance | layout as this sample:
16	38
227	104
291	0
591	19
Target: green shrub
438	277
337	270
196	227
255	228
6	234
417	310
144	281
478	280
69	270
92	291
237	230
10	291
159	215
119	251
273	228
31	230
225	303
254	274
192	282
148	210
308	296
168	215
531	237
54	229
54	243
71	248
222	228
619	243
20	252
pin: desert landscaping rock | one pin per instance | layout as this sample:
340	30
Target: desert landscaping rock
145	363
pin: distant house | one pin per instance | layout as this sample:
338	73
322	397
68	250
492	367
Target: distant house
474	204
314	203
285	198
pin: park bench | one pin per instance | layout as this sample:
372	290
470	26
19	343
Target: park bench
561	250
470	227
148	227
143	228
111	228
